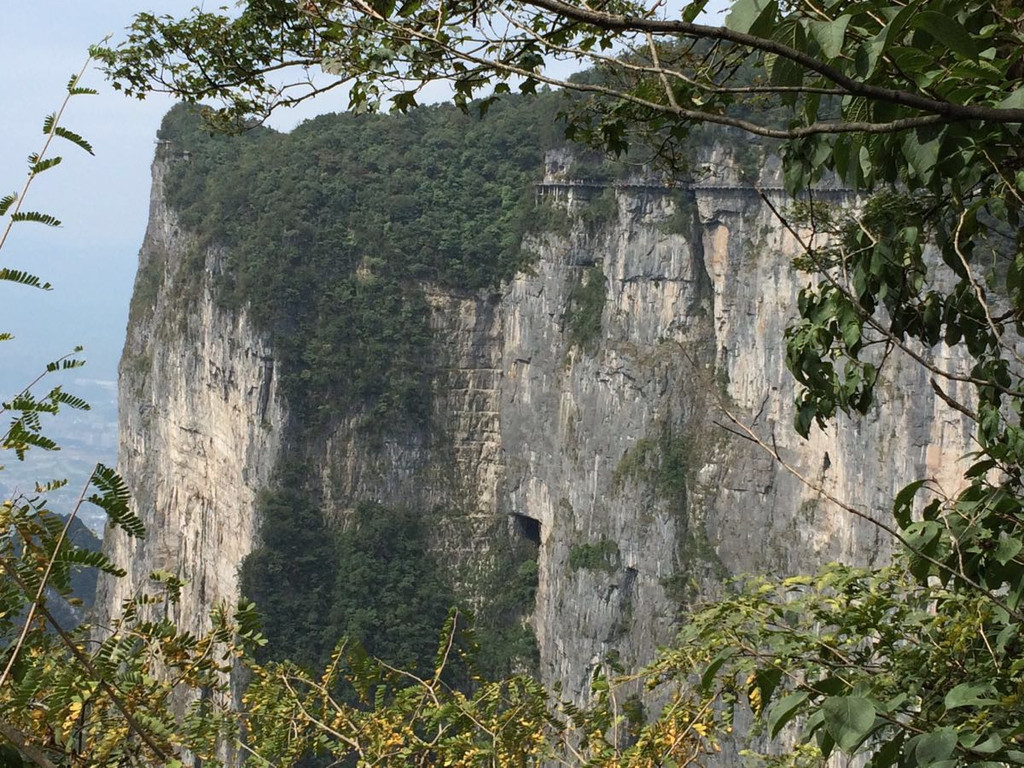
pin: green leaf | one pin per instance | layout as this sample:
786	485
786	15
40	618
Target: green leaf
114	499
91	559
20	438
58	395
75	89
64	364
780	70
830	34
694	9
53	485
716	664
867	55
23	278
745	15
73	137
44	165
39	218
7	201
1014	101
1007	549
851	332
946	31
767	680
889	754
783	712
968	695
922	156
935	746
903	505
848	719
987	747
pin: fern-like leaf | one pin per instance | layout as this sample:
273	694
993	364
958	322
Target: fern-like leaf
36	216
7	201
77	90
90	559
74	138
64	364
44	165
23	402
26	688
53	485
114	499
24	278
6	336
106	656
58	395
20	439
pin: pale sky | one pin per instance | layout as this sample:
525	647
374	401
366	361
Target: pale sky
102	200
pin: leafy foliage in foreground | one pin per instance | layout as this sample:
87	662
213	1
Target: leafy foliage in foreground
868	661
400	718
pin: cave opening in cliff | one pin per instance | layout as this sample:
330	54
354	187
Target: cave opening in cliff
526	528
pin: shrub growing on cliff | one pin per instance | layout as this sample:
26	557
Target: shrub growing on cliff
333	231
585	307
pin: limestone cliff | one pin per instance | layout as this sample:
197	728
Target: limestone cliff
605	449
200	424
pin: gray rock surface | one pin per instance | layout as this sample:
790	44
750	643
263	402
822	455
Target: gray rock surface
200	426
616	450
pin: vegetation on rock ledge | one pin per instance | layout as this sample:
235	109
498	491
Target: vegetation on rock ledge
333	231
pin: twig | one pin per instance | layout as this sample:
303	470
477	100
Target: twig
109	689
42	153
954	404
41	590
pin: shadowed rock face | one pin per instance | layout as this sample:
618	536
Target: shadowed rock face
607	453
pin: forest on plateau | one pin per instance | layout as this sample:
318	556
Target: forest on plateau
361	212
916	105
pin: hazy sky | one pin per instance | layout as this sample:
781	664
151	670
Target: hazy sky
102	201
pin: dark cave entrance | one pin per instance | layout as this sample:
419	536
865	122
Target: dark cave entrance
526	529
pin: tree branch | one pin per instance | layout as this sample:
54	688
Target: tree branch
20	742
609	21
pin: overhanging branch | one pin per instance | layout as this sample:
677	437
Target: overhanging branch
608	21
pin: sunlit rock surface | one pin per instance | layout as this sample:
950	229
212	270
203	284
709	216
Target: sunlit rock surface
614	455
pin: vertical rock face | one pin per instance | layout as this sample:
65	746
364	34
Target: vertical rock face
645	500
200	424
607	447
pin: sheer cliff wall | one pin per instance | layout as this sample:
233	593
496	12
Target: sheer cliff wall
609	451
200	425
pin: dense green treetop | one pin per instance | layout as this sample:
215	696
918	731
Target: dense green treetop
332	231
